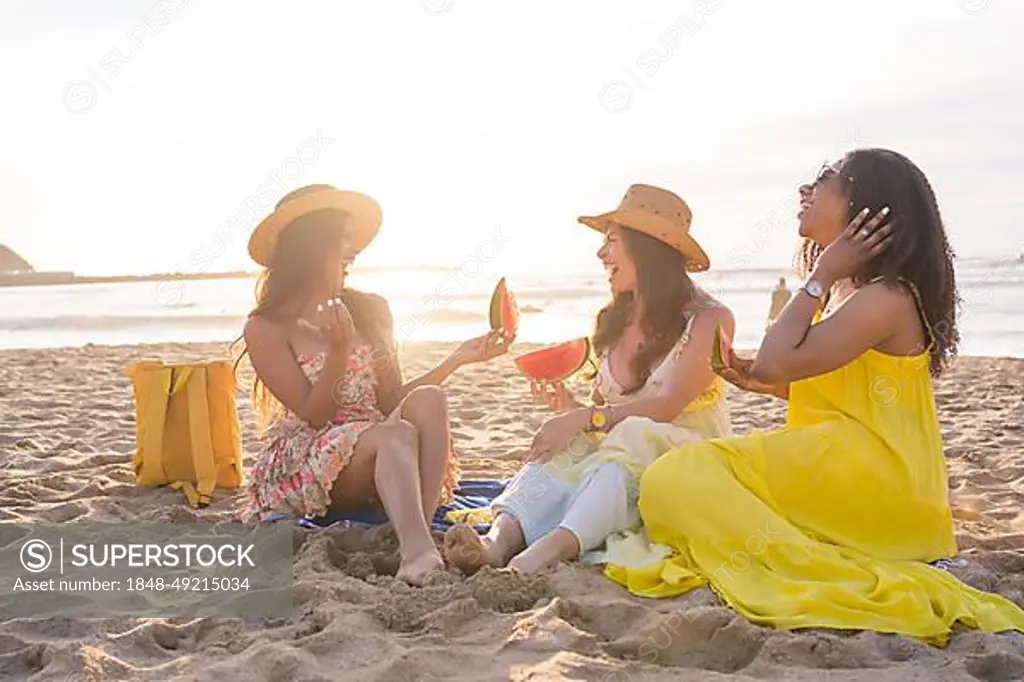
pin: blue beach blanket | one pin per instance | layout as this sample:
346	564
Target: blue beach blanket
472	493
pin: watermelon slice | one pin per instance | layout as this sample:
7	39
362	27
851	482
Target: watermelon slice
717	362
504	312
557	362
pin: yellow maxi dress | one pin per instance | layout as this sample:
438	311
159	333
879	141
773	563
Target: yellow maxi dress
828	522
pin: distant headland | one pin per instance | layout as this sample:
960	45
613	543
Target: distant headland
10	262
15	271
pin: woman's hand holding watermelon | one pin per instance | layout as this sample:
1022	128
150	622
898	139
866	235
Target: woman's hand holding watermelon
736	371
480	349
554	394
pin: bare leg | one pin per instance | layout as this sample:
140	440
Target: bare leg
385	465
557	546
469	552
426	408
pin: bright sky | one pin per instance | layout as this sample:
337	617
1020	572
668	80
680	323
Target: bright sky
136	133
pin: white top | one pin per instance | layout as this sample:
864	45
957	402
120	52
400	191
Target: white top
710	421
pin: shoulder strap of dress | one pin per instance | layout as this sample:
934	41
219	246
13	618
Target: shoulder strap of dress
688	319
918	303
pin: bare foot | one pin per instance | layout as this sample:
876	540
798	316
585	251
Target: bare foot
523	563
416	570
467	551
557	546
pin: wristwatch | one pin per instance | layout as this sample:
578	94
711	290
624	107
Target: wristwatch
600	419
814	290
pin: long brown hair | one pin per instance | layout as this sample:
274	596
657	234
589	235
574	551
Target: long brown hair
663	288
298	260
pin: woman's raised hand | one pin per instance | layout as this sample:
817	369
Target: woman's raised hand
481	348
555	395
862	240
335	324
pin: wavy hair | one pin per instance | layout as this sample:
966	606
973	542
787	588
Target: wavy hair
297	261
919	250
663	288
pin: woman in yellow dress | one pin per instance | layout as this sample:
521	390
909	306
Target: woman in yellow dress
831	521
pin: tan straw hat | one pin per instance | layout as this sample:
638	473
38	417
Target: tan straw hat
660	214
363	221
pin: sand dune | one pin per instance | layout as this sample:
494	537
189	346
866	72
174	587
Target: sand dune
67	435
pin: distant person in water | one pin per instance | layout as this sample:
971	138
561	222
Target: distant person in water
780	297
654	383
344	430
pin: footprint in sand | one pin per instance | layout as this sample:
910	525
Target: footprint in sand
507	591
608	620
822	650
709	638
21	660
65	512
545	630
996	667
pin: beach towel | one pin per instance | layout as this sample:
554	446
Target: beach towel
471	505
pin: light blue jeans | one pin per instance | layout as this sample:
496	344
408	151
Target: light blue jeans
592	509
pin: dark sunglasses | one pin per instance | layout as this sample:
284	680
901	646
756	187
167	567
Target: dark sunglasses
827	172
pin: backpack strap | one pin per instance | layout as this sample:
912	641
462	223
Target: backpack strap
203	463
202	441
149	464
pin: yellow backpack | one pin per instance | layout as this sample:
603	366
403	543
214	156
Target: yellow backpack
187	431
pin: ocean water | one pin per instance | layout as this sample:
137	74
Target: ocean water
434	304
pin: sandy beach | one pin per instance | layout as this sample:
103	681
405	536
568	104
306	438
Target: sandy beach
67	434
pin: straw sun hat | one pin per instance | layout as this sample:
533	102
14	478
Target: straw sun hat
660	214
363	220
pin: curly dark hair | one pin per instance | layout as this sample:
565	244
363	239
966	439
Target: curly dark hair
665	289
919	251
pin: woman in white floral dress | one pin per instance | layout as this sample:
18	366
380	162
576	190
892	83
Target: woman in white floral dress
343	430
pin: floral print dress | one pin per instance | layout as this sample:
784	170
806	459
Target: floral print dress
297	468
